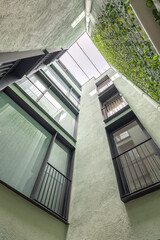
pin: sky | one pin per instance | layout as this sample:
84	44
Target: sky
84	60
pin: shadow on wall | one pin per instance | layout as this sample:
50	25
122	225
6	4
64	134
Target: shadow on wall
144	216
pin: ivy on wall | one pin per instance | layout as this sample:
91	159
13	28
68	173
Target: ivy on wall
124	44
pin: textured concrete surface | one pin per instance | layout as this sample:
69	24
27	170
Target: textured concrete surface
97	212
31	25
19	219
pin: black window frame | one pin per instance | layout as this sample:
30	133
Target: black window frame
109	100
51	87
55	135
110	129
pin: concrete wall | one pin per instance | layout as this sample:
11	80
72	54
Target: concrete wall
97	212
31	25
20	219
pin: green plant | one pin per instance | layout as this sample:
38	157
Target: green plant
125	46
156	14
149	3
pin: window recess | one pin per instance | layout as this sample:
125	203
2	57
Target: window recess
67	90
136	160
113	105
104	85
34	163
50	102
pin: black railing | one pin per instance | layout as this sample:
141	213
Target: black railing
138	167
54	191
113	107
104	86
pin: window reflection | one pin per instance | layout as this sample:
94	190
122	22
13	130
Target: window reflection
38	91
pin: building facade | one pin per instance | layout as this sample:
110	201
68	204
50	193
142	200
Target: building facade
106	135
97	211
39	119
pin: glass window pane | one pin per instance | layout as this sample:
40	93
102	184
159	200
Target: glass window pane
23	145
48	106
52	105
38	82
75	101
75	95
57	82
128	137
60	157
57	110
29	88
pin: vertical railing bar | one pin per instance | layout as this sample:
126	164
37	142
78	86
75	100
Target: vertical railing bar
125	176
65	200
44	176
139	166
55	188
61	194
151	165
156	162
130	172
135	170
144	163
120	171
53	183
59	178
49	175
45	185
68	198
153	158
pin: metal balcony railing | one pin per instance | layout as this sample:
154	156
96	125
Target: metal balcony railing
113	107
54	191
138	167
104	86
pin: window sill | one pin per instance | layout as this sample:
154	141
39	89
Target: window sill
140	192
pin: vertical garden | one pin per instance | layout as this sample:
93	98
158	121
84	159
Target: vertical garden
122	41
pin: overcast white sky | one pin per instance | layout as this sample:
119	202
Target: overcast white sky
81	66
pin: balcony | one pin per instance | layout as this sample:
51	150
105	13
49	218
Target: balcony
104	85
138	169
53	191
113	107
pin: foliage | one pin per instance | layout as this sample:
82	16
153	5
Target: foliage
124	44
156	14
149	3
